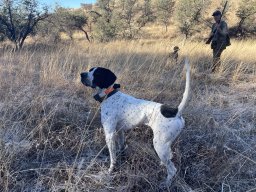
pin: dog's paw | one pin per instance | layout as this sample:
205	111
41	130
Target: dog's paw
164	185
104	177
111	169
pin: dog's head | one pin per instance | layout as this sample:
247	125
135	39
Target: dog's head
98	77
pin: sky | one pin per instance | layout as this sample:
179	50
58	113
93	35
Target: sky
66	3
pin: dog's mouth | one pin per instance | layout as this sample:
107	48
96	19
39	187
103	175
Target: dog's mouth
85	83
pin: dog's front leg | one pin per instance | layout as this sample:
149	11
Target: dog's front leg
111	143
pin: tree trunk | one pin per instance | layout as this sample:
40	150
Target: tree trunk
86	34
240	28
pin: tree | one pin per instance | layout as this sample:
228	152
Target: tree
121	18
64	20
246	14
189	14
127	18
49	29
68	21
105	27
18	19
147	14
164	11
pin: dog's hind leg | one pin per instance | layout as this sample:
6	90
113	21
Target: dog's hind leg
111	143
120	140
164	153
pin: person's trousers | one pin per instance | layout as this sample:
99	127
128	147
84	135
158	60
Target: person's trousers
216	58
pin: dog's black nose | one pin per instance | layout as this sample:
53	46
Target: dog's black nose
84	79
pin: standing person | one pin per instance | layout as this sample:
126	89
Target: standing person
219	38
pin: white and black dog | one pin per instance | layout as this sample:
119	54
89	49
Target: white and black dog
121	112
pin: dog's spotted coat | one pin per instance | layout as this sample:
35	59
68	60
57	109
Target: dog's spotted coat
121	112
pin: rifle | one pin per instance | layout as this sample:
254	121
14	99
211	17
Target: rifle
210	38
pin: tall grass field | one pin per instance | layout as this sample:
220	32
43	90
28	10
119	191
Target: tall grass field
51	137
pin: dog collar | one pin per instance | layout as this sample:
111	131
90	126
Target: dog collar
109	90
107	93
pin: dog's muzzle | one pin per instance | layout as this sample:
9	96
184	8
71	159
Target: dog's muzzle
85	80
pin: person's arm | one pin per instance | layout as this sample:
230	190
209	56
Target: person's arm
209	39
211	34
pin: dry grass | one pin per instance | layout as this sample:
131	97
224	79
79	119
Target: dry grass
50	131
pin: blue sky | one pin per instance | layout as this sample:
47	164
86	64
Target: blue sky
66	3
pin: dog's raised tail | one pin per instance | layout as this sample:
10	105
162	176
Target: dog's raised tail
187	89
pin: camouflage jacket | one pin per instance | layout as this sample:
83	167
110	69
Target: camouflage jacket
220	38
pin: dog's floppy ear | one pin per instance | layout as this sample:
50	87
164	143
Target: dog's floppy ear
103	77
